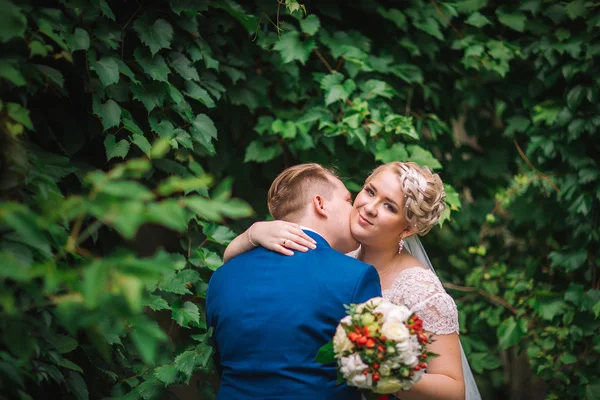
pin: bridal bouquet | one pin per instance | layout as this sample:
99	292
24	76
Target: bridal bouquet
380	347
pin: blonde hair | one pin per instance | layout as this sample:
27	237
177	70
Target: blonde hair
423	193
289	192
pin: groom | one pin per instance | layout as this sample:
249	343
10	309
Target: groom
271	313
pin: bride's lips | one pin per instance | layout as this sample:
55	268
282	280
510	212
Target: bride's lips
363	221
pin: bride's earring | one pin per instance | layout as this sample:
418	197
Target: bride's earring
400	246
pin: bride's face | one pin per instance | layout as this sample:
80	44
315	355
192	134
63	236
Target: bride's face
378	214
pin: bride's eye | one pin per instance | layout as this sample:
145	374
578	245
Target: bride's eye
390	207
369	192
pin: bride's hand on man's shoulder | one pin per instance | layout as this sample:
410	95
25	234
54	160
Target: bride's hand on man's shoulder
280	236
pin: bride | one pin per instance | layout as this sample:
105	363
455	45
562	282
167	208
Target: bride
397	201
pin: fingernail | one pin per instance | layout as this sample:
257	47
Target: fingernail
314	246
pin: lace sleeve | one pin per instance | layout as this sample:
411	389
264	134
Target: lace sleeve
421	291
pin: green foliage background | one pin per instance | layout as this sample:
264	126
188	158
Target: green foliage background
138	137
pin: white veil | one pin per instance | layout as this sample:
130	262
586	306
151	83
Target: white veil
414	246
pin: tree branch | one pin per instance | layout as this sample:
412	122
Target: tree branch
493	298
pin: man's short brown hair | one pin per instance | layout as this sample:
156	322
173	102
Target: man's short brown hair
290	191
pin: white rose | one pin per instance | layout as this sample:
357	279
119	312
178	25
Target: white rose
385	369
403	346
399	313
341	343
395	330
388	385
375	301
347	320
361	381
351	365
384	308
411	360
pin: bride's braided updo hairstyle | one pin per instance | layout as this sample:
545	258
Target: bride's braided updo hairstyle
423	194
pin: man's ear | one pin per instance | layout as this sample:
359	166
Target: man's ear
318	203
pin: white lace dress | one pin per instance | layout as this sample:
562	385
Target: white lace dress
421	291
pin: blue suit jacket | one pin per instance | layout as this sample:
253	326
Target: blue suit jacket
271	314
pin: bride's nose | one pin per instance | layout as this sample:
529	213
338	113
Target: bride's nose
370	208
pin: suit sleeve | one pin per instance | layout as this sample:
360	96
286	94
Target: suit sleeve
367	287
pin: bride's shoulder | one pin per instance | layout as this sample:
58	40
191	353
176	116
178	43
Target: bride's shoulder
420	290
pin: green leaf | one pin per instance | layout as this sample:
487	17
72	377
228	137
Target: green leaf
292	49
218	233
575	96
592	391
167	374
549	308
510	332
66	363
109	112
127	189
184	313
39	49
114	148
394	15
203	207
19	114
193	6
423	157
80	40
168	213
478	20
52	74
183	66
143	143
310	25
514	21
257	151
157	303
576	9
76	385
186	362
146	336
374	87
125	70
156	67
430	26
286	129
95	278
107	69
12	22
9	72
407	72
204	125
197	93
206	258
397	152
469	6
568	358
334	90
156	36
325	355
178	283
570	260
106	11
236	208
152	95
248	20
64	344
